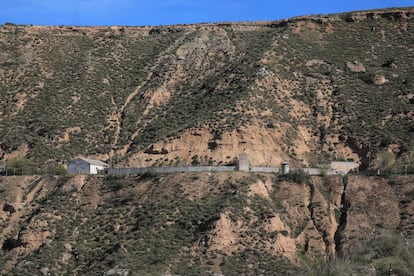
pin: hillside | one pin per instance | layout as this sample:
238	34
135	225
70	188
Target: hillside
205	223
305	90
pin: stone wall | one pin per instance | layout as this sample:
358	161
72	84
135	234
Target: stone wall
264	169
189	169
123	171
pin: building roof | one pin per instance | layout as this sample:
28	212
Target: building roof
93	161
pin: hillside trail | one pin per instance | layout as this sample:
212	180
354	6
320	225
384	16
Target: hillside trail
22	201
134	93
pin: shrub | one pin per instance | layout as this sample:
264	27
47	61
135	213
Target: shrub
212	145
323	170
20	165
116	183
195	160
299	176
233	162
284	233
60	170
384	161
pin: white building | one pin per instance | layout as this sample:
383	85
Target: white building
81	165
344	167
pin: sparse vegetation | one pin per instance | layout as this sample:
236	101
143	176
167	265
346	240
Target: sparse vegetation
86	91
382	255
148	224
305	87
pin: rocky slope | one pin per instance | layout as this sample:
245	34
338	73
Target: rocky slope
305	90
200	223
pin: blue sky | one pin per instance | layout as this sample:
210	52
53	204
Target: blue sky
166	12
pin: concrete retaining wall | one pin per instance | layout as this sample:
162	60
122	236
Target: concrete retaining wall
317	171
123	171
264	169
189	169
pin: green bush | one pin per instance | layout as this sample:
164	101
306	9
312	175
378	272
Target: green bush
20	165
116	183
299	176
60	170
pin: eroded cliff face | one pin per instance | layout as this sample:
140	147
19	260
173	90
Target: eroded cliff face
205	221
374	206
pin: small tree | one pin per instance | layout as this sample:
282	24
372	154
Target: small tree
19	165
384	160
406	162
